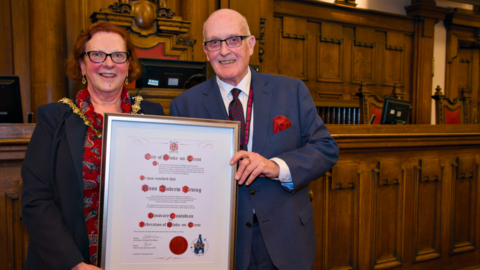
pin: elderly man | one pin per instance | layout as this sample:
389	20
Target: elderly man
285	146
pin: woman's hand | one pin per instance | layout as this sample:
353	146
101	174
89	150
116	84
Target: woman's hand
84	266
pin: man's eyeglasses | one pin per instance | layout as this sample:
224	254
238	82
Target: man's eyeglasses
232	42
100	57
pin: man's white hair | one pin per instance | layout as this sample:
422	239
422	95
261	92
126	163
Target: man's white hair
223	9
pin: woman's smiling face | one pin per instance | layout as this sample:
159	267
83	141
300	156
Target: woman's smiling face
106	77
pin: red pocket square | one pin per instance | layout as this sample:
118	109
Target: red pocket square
280	123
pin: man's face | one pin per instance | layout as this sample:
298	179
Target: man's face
229	64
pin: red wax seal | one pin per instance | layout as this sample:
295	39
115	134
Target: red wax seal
172	215
185	189
141	224
154	163
190	158
169	224
178	245
150	215
145	188
148	156
142	177
190	224
162	188
165	157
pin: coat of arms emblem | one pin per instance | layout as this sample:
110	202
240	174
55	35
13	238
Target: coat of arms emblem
173	146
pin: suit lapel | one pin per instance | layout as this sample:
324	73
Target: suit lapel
262	100
213	101
76	130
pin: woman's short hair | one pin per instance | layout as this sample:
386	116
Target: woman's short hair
73	63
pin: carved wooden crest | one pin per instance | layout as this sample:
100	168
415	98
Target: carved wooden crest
150	22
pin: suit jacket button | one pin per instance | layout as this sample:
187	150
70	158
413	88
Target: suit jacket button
249	225
252	192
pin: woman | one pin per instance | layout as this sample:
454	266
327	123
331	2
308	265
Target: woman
61	170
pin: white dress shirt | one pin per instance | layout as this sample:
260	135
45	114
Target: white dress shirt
225	90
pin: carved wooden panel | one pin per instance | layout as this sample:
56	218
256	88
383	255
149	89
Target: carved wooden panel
463	203
17	237
330	53
387	223
464	72
293	57
394	59
363	56
341	217
427	214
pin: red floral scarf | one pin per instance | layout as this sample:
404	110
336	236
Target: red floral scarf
92	154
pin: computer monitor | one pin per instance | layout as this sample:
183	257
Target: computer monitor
162	73
395	111
10	100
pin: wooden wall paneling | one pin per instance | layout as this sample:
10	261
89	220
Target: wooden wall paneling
6	43
464	71
251	10
462	58
345	15
394	59
341	217
387	219
197	16
47	57
427	213
464	205
363	56
330	53
407	71
267	36
17	236
78	13
21	51
426	15
452	63
293	46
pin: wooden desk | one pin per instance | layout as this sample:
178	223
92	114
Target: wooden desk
14	139
400	196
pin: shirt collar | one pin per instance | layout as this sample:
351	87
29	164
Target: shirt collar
244	85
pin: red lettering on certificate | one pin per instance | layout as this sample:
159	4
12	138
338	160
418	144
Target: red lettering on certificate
141	224
169	224
165	157
172	215
148	156
185	189
150	215
142	177
145	188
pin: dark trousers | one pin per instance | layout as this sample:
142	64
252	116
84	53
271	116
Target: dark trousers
259	258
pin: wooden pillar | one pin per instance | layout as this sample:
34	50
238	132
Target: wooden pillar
426	14
48	52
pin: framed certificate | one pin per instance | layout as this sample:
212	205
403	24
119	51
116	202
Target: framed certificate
168	193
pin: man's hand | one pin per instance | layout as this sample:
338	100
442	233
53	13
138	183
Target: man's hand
84	266
252	165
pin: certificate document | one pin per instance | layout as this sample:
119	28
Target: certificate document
168	194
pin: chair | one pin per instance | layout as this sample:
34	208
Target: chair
451	112
371	105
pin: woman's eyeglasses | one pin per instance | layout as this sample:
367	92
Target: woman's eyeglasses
100	57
